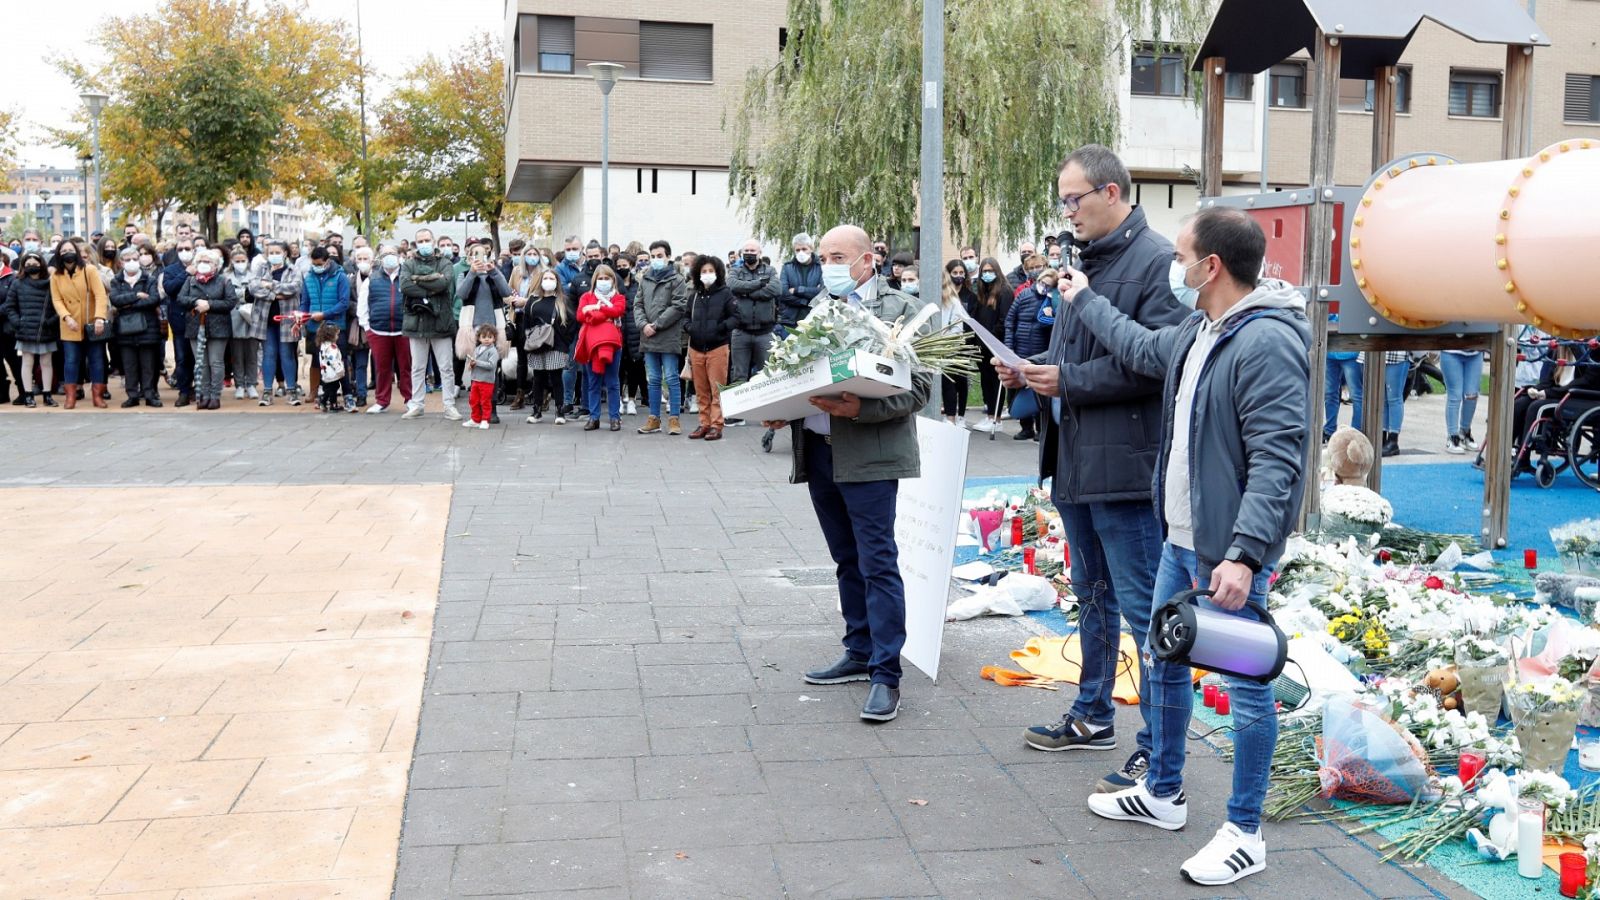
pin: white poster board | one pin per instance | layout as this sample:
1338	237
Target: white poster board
927	515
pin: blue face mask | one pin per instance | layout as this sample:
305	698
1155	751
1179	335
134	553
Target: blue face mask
319	268
989	277
424	249
971	264
911	287
573	256
837	279
658	265
1176	276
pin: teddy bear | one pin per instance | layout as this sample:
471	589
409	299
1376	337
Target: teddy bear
1447	684
1349	456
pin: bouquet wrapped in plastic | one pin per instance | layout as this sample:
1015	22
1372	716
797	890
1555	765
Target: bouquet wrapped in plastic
1366	757
836	325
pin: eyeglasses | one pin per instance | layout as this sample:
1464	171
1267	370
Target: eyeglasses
1071	202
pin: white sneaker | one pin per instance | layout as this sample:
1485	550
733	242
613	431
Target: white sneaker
484	425
412	412
987	426
1137	804
533	419
376	409
633	408
469	424
1230	856
694	405
277	391
295	398
561	420
266	400
238	393
451	413
252	393
1454	445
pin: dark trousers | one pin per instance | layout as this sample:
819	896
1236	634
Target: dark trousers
953	395
183	362
546	383
989	383
858	523
141	370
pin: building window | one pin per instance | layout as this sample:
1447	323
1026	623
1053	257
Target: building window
1158	72
1287	85
1475	94
1583	99
674	50
555	44
1356	94
1238	86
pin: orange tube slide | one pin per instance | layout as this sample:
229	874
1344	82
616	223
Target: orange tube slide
1511	241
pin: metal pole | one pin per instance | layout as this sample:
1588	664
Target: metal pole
605	169
99	211
931	177
83	195
361	87
1266	106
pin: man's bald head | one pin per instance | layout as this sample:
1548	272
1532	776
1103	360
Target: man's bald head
850	246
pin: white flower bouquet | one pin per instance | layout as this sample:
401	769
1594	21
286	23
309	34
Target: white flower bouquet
1579	545
1357	504
837	326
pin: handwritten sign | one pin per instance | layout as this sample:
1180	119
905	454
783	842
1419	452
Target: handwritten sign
927	513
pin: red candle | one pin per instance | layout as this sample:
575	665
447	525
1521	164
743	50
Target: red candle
1208	696
1574	872
1016	531
1470	767
1530	559
1224	707
1029	554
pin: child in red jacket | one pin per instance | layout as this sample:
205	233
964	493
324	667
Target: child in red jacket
600	346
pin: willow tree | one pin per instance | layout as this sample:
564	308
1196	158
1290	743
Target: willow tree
830	133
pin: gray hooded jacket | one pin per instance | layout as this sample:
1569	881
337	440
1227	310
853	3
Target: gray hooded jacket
1247	431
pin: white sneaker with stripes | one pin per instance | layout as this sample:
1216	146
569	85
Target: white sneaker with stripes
1137	804
1230	856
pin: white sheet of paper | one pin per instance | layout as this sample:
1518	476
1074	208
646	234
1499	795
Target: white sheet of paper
976	570
995	345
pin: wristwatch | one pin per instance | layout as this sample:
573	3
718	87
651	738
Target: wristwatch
1237	555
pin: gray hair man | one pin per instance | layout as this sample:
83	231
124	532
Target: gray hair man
755	309
851	455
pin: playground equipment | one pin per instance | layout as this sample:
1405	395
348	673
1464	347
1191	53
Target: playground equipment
1429	254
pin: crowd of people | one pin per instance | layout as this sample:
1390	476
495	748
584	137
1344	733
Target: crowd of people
588	333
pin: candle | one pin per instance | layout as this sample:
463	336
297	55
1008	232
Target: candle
1016	531
1208	696
1530	559
1223	704
1029	555
1574	873
1530	838
1470	766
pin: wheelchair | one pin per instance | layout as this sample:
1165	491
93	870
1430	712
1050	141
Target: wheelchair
1562	432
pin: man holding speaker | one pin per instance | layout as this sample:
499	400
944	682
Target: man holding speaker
1227	487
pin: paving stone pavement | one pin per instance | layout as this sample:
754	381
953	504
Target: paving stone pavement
613	706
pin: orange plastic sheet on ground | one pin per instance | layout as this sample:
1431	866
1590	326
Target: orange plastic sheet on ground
1061	659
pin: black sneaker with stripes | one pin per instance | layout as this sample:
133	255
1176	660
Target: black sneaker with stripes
1137	804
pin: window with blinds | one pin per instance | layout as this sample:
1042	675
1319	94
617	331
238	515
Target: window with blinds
556	41
1583	99
675	50
1475	94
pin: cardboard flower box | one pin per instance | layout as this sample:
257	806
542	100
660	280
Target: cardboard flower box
787	396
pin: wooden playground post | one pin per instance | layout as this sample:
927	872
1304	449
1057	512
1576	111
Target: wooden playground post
1327	54
1373	369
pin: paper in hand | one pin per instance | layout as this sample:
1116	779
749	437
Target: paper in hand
996	346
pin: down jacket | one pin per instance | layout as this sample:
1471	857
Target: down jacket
29	314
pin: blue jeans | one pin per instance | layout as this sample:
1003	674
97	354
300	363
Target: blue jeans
1394	394
278	355
1463	372
355	373
857	521
182	361
569	381
1171	697
1342	371
74	352
659	366
1115	550
611	381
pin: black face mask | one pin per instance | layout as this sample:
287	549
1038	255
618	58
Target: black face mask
624	272
32	271
751	260
958	279
69	259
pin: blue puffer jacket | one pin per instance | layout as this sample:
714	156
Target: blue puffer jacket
386	306
796	287
327	293
1025	333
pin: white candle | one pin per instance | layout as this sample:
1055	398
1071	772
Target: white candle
1530	841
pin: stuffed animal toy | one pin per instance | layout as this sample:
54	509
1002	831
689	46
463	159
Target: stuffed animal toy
1447	684
1349	456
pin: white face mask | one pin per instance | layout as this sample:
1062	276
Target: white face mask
241	268
185	256
131	267
549	285
203	269
803	257
708	278
364	267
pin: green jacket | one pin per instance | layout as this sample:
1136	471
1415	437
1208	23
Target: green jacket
881	443
437	291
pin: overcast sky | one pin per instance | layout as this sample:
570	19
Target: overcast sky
396	34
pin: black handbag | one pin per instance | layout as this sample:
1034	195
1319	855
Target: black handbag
131	323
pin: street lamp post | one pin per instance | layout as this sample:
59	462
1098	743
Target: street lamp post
605	75
83	197
96	103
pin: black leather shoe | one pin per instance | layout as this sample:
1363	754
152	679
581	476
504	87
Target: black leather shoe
846	669
883	703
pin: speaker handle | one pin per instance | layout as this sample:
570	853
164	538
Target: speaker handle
1260	610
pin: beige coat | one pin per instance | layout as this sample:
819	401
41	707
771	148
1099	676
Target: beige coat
81	295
